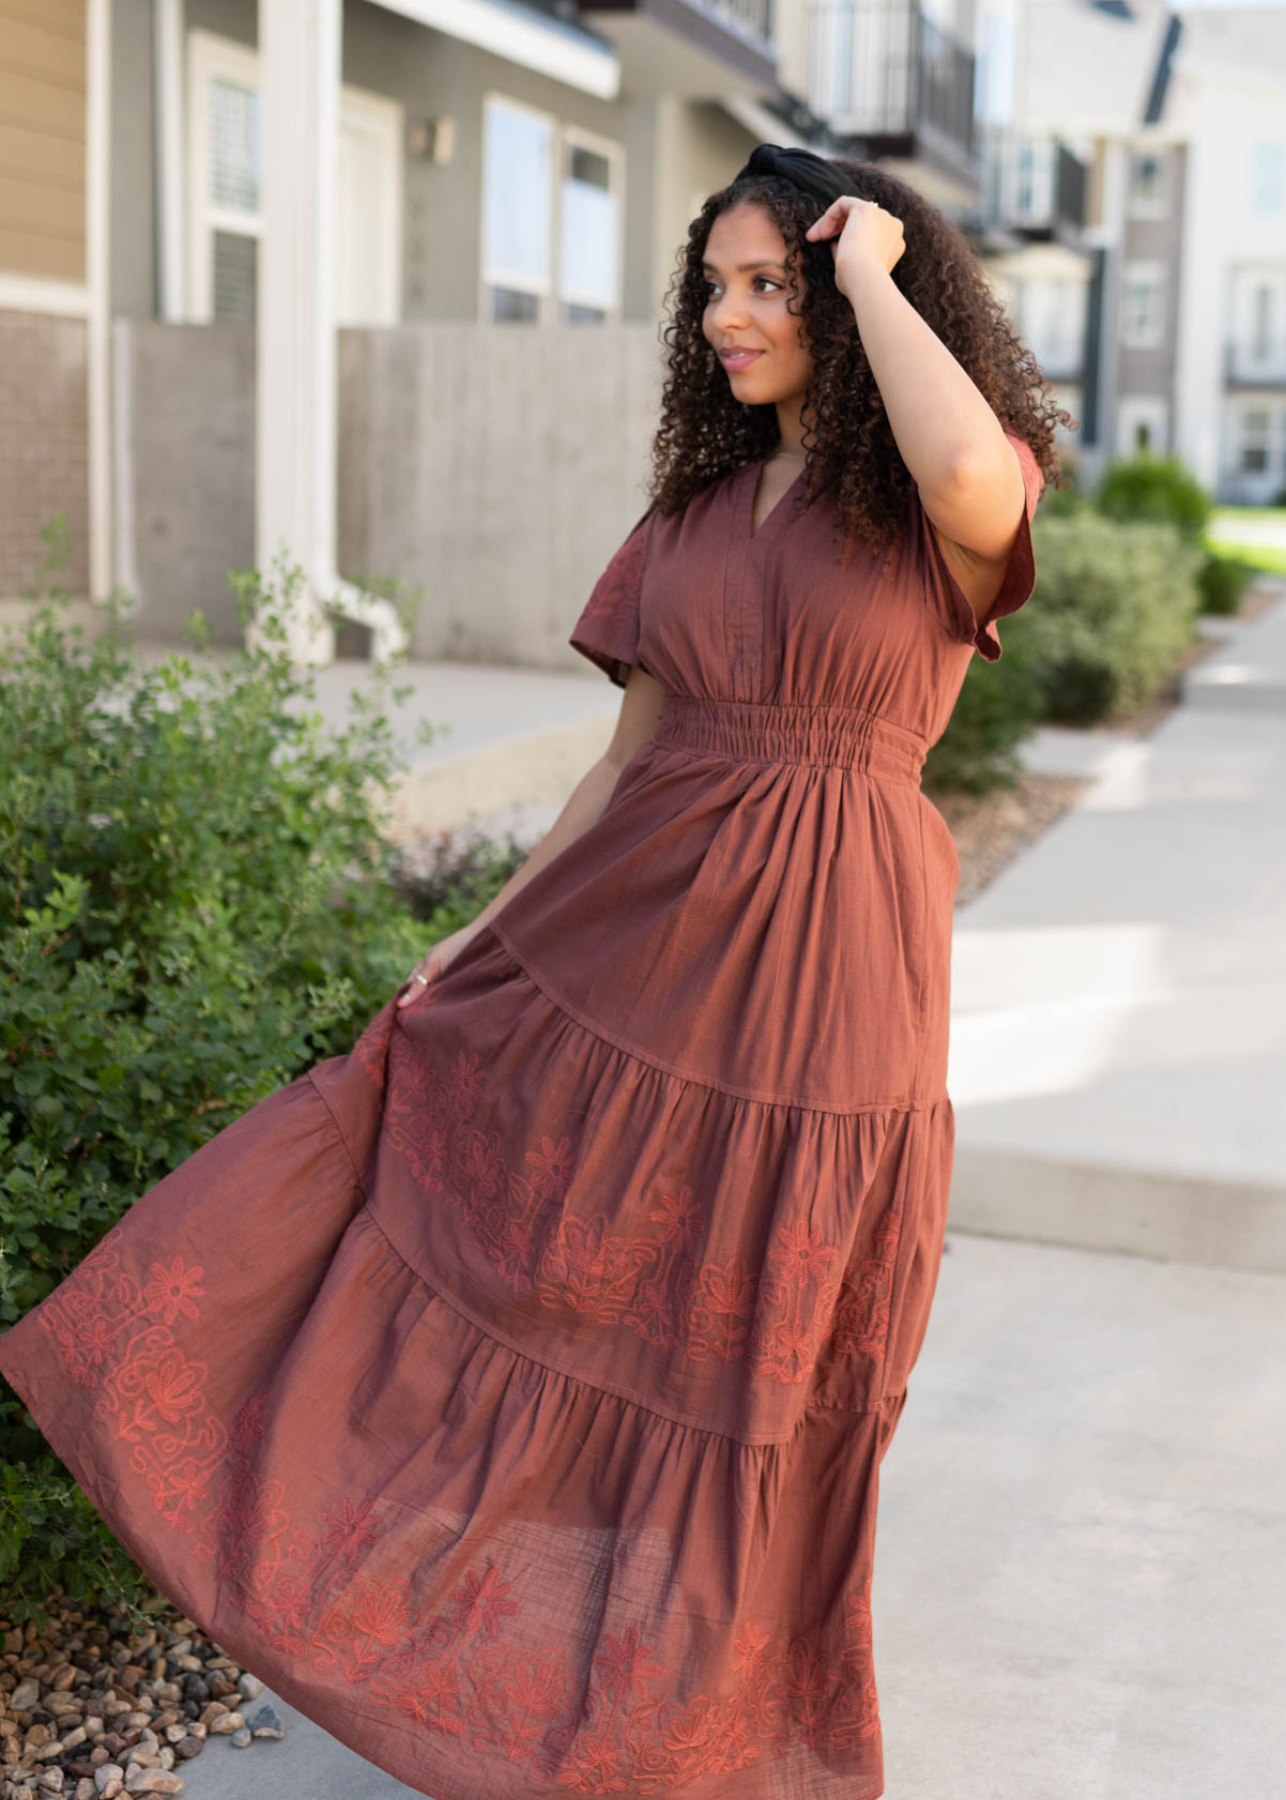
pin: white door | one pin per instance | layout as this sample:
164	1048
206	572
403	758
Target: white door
368	224
1142	421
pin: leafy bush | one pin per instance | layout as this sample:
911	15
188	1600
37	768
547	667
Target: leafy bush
1222	582
454	874
198	905
998	706
1157	490
1113	615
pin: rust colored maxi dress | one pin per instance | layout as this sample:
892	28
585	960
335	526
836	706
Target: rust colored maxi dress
510	1393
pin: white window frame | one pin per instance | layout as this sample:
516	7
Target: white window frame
1265	179
568	137
214	58
1249	438
1149	206
549	295
492	275
211	58
1151	337
1246	363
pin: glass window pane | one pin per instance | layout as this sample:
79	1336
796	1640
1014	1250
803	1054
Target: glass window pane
235	260
508	303
587	243
234	146
517	196
590	167
1268	181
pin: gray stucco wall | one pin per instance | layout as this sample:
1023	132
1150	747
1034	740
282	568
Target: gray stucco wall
458	470
44	446
190	470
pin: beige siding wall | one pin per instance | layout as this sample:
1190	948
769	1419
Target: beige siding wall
42	138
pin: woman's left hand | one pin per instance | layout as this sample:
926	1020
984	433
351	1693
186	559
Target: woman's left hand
863	230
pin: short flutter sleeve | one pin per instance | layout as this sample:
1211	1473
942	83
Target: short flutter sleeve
1020	574
607	631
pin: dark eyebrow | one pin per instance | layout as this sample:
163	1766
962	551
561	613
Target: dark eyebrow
745	268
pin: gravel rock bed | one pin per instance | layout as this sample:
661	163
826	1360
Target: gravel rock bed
990	830
93	1706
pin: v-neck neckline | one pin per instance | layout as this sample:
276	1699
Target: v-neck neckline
749	491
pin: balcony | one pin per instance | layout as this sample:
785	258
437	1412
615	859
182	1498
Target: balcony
1254	365
1034	190
897	86
689	49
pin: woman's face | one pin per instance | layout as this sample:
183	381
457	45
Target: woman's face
746	294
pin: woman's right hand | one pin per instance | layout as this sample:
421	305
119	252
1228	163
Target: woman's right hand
434	961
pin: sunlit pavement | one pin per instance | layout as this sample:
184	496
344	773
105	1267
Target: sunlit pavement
1118	1039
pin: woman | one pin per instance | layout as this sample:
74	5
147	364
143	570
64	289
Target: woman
511	1393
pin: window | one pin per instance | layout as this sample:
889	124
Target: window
1257	337
588	251
995	76
1051	315
1261	327
227	159
1268	180
1143	306
551	219
1253	455
225	169
1147	197
1025	197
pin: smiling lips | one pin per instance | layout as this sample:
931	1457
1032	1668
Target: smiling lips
738	359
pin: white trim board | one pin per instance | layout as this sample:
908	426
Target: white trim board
29	293
521	35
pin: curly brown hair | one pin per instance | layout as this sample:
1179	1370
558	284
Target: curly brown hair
705	432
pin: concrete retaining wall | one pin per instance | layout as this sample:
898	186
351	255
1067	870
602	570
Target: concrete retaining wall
498	468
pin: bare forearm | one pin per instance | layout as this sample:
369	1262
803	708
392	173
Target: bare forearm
585	804
937	415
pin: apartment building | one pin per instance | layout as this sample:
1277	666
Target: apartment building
1178	121
380	282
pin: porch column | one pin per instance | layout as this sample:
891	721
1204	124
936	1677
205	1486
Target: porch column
295	436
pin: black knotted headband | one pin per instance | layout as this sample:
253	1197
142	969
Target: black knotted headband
804	169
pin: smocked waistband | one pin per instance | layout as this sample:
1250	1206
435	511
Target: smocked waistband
762	731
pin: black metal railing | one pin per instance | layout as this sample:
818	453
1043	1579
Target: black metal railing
883	68
1069	189
752	16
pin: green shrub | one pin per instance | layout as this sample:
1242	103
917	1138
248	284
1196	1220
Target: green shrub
1112	616
198	905
997	708
450	878
1064	502
1154	489
1222	582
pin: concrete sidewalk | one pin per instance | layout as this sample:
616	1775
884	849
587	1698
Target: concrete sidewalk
1079	1591
1118	1039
